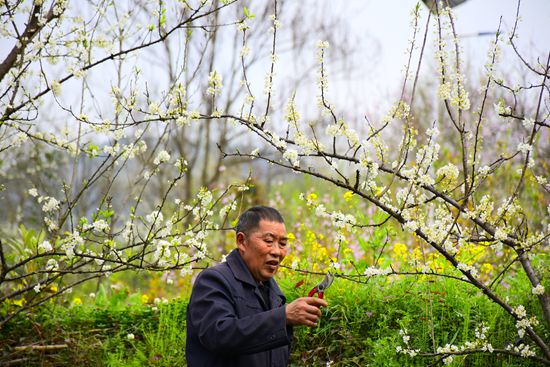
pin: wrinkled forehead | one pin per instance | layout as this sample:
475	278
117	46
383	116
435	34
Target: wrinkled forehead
270	229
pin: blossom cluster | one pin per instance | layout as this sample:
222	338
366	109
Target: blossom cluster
407	349
479	342
523	349
214	83
523	322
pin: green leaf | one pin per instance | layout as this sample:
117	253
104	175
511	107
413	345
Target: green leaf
83	221
162	20
107	213
248	14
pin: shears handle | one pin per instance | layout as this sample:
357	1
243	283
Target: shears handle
315	290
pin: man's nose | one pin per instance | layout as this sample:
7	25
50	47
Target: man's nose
277	250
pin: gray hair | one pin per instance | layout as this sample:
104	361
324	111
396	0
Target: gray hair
251	218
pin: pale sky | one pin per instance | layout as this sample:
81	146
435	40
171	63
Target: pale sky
387	25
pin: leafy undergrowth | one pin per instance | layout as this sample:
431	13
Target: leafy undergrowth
115	330
360	327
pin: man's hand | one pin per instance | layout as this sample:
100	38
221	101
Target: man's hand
304	311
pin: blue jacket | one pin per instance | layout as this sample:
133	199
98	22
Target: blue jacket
228	322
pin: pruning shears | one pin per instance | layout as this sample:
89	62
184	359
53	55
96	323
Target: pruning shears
322	287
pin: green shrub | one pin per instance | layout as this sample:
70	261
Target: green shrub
360	327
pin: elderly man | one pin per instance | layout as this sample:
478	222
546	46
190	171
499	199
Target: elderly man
237	314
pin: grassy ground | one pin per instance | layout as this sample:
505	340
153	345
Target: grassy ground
360	327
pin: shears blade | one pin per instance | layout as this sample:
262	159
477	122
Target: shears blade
322	287
326	282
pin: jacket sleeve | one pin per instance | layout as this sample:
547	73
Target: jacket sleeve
213	313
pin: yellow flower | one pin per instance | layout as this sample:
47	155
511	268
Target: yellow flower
144	298
291	237
417	254
400	250
77	301
312	198
348	196
487	268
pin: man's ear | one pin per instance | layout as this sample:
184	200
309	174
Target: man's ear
241	241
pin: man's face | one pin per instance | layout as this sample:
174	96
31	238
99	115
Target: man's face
263	249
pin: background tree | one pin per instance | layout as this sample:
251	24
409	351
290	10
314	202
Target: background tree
106	163
445	202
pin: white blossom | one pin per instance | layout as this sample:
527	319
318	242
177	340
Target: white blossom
525	350
52	226
433	132
50	204
538	290
205	197
410	226
502	109
101	225
45	246
186	270
278	142
500	234
447	175
484	170
181	164
155	216
524	148
292	156
161	157
528	123
374	271
52	265
448	360
214	83
321	211
245	50
467	269
56	87
323	44
111	150
520	311
332	130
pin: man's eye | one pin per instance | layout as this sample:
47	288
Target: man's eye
282	244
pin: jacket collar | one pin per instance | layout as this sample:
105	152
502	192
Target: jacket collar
241	272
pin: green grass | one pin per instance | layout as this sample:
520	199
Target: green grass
361	325
359	328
